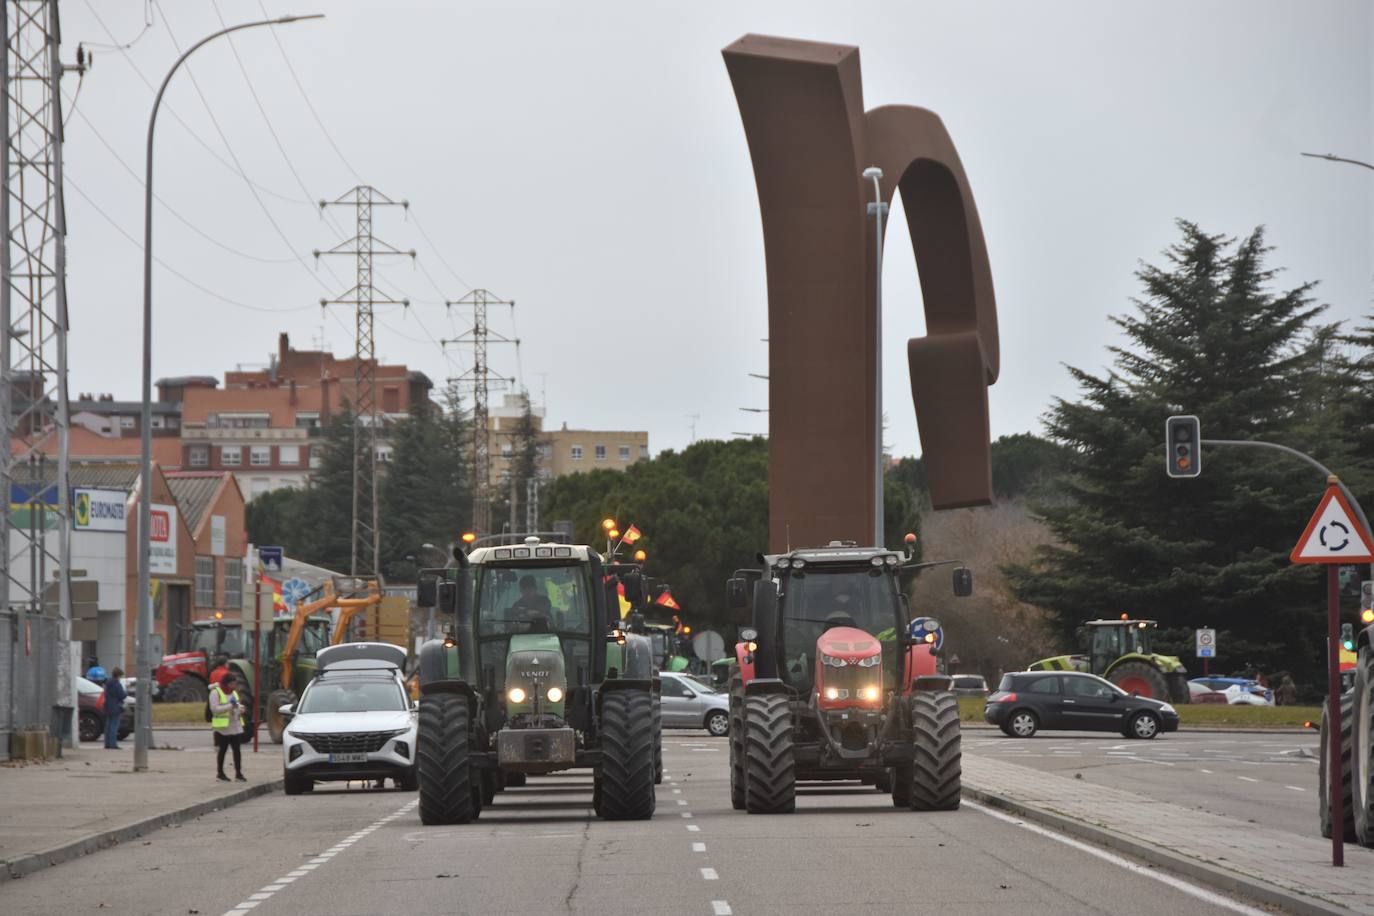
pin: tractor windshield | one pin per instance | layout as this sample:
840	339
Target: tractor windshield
534	599
812	603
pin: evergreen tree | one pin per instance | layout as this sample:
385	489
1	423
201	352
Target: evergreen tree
326	534
1210	338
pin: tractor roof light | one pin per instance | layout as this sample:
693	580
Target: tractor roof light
469	537
612	533
641	556
1367	615
608	524
1141	625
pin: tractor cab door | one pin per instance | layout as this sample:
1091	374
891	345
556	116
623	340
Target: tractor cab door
1107	647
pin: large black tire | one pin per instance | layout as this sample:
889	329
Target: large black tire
770	772
90	726
410	780
448	792
902	778
937	770
489	780
1324	770
276	723
186	689
515	780
1142	679
627	755
658	740
883	782
1361	765
736	738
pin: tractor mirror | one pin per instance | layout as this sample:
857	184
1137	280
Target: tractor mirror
963	582
659	590
634	587
736	594
427	591
448	597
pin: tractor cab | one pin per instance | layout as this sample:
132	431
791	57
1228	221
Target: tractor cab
1111	639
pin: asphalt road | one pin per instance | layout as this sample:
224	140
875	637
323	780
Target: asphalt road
1264	779
540	850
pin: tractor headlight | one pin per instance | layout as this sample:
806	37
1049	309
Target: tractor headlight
869	693
515	695
555	694
870	662
832	693
832	661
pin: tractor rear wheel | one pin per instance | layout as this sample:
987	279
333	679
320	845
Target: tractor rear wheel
770	774
883	782
627	755
658	741
902	777
735	735
1324	771
937	770
1141	679
1360	721
276	722
448	792
186	689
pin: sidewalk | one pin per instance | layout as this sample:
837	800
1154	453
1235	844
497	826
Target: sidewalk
1283	868
91	798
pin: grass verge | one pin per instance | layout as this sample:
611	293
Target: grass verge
1208	714
179	714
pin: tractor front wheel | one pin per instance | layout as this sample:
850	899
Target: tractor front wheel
1359	723
1324	771
627	755
448	792
1140	679
186	689
770	773
276	722
735	734
937	770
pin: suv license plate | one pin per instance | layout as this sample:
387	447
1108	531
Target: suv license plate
348	758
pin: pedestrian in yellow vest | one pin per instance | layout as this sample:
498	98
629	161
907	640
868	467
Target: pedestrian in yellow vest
226	718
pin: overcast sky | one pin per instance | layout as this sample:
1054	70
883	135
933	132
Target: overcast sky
587	160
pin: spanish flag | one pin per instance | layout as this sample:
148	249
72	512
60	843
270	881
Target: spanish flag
666	599
632	534
625	606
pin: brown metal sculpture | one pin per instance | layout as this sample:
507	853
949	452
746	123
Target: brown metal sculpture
810	140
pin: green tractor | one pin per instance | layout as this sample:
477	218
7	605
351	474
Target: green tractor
1119	650
536	676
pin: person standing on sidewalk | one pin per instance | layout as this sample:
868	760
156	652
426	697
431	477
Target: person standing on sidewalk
226	718
112	705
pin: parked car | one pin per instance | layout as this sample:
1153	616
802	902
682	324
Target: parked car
688	703
970	685
1237	690
355	720
1027	701
91	717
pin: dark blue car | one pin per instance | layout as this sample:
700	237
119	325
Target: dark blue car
1027	701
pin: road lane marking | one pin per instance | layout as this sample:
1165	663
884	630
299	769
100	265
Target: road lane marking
694	828
698	847
1208	772
1247	779
682	801
677	791
1177	883
721	908
709	874
686	814
1296	788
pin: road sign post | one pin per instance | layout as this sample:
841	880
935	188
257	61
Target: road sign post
1332	538
1206	648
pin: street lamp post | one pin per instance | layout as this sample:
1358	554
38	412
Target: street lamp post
876	210
143	731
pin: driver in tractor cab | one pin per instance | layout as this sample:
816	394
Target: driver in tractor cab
838	601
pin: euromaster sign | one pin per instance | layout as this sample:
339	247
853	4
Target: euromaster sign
99	510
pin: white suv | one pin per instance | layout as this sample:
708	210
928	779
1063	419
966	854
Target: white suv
353	721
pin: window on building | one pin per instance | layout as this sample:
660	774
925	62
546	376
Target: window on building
238	420
157	423
231	456
624	453
233	583
288	455
384	453
173	422
601	453
314	459
577	453
309	421
126	422
205	582
644	450
507	449
198	456
261	456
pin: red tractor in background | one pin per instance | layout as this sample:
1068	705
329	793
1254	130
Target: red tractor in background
203	648
835	682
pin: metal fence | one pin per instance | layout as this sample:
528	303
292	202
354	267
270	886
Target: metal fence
29	665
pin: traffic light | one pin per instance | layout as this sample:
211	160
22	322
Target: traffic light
1183	446
1348	637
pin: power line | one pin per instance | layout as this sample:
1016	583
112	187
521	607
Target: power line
168	267
435	248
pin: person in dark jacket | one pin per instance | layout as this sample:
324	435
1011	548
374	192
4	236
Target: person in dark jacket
112	705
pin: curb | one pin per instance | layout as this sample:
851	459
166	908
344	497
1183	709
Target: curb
1219	878
11	869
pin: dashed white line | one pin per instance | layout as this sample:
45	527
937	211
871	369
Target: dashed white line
698	847
1208	772
1247	778
682	801
721	908
1296	788
709	874
686	814
694	828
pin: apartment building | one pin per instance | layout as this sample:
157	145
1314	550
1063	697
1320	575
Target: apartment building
561	451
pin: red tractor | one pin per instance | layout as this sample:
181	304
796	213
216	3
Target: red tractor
202	649
835	683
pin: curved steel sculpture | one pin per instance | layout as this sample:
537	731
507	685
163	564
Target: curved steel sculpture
810	140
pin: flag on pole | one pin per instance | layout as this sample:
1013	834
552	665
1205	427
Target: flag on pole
666	599
625	606
632	534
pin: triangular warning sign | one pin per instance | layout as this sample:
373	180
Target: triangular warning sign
1333	535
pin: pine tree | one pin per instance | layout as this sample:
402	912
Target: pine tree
1209	338
326	536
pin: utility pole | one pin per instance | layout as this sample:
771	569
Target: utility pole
33	346
694	417
364	297
480	379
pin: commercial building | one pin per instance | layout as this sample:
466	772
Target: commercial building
561	451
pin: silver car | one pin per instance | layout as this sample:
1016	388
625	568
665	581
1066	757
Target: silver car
688	703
